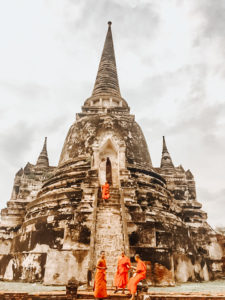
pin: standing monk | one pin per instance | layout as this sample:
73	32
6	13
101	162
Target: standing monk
121	277
100	290
140	275
105	192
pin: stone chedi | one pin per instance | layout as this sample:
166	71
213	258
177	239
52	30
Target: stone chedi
55	224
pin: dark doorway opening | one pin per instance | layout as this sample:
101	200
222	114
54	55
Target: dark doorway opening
108	171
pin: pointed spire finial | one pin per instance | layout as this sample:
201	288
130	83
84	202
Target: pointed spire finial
166	161
45	145
107	79
164	145
42	161
106	92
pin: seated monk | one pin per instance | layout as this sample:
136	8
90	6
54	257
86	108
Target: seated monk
139	275
105	192
121	277
100	290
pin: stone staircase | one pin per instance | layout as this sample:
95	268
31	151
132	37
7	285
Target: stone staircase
109	232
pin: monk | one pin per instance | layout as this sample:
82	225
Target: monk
121	277
105	192
140	275
100	290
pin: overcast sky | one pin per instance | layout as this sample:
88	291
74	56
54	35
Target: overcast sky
171	66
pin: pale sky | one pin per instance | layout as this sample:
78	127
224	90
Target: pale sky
171	66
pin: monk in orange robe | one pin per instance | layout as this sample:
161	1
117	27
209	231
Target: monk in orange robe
121	277
105	192
140	275
100	290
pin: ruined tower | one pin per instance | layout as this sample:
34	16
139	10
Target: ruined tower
61	224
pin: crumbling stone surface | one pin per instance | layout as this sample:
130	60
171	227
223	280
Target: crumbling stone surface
55	224
94	129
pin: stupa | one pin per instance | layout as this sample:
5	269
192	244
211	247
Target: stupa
55	224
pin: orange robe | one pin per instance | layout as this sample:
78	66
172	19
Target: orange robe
100	290
105	191
140	275
121	277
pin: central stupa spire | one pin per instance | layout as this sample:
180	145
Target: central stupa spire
107	80
106	92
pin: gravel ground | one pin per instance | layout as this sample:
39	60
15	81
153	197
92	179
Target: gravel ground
212	286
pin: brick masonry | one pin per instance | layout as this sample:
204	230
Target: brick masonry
54	225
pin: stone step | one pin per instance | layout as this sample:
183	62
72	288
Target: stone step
111	196
102	238
118	296
106	217
108	210
112	208
103	232
114	196
105	229
113	237
108	227
102	226
109	224
111	214
108	250
109	233
108	207
109	220
108	203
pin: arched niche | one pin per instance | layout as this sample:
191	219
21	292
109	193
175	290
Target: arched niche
111	147
108	163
